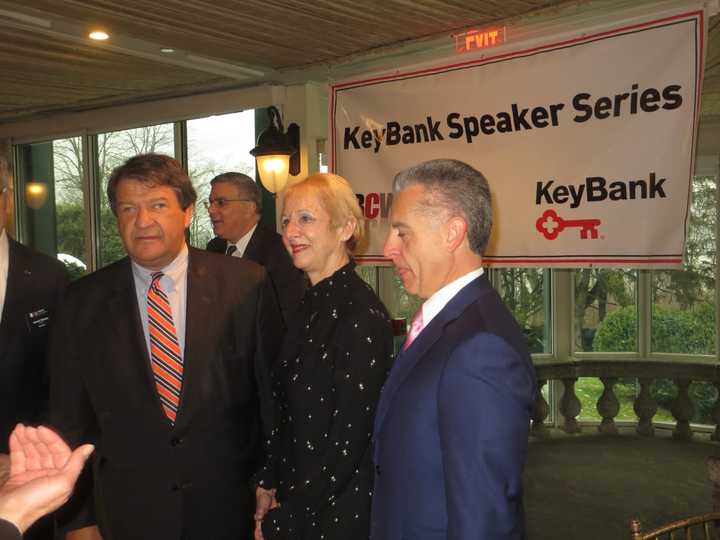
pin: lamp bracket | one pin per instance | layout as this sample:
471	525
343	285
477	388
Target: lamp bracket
293	135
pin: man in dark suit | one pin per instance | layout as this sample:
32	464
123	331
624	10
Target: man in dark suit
160	360
452	423
31	285
235	205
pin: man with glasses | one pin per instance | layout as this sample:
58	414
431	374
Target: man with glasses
235	205
31	285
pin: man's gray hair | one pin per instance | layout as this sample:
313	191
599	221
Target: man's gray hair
248	187
454	188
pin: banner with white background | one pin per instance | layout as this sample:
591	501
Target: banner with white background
587	143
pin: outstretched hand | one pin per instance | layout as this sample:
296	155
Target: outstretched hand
43	472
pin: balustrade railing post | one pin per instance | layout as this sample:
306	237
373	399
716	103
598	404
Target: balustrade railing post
541	412
715	413
645	408
608	407
682	409
570	405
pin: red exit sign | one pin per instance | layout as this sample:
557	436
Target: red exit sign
475	40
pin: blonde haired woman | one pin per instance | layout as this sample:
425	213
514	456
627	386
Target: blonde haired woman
327	379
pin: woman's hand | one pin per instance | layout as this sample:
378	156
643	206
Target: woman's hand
264	502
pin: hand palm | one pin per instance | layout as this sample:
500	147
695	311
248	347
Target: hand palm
36	454
43	472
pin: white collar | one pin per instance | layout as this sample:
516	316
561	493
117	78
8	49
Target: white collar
440	299
173	272
242	244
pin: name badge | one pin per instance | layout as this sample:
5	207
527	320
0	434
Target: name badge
37	320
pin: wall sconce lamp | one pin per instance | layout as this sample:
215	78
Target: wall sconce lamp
277	153
35	194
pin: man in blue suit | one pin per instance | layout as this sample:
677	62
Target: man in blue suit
451	428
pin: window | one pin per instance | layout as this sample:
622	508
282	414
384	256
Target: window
684	310
605	310
526	293
113	149
64	209
50	178
216	145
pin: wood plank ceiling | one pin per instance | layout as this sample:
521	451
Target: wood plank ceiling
48	65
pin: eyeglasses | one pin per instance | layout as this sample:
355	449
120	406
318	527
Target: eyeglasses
221	202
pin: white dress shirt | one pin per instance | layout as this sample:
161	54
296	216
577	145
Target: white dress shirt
439	300
174	283
242	244
4	265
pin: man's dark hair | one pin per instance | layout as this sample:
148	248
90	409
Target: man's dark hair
153	170
455	188
248	187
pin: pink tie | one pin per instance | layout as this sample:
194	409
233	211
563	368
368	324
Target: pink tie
415	328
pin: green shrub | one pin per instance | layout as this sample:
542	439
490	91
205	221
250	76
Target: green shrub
674	331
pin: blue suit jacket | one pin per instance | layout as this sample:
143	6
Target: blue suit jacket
451	428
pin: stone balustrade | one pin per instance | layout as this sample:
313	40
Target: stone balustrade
608	406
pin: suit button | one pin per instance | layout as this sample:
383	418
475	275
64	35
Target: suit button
377	470
179	486
176	441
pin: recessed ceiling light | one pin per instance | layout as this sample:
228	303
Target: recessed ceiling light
98	35
167	50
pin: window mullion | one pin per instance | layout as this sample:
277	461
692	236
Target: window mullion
91	200
562	309
644	307
717	256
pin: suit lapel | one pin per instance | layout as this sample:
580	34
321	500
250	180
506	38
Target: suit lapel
404	364
252	250
201	297
129	333
18	273
406	361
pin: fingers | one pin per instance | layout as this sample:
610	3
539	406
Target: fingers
264	501
44	451
29	441
75	464
39	450
59	450
17	455
16	436
258	530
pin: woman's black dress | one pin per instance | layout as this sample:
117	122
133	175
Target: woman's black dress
326	384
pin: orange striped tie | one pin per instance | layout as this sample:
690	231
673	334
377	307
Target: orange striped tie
165	357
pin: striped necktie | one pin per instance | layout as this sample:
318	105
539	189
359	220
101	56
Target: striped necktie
165	357
231	248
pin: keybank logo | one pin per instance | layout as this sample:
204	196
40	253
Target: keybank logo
595	189
550	225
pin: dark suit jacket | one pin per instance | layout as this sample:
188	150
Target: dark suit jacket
34	287
266	248
153	480
451	428
8	531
